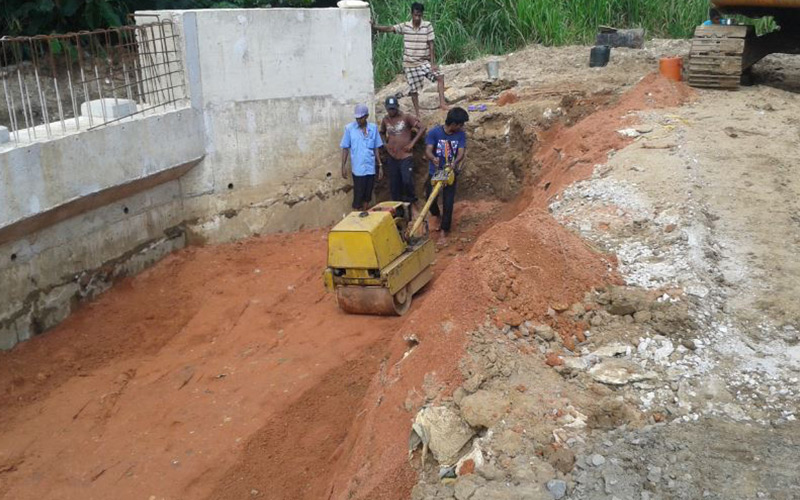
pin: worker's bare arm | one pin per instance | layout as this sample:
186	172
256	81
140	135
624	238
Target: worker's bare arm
382	29
421	131
430	156
379	168
345	155
460	157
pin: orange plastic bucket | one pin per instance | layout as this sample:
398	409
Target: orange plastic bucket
671	67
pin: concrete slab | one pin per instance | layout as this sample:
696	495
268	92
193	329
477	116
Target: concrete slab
49	175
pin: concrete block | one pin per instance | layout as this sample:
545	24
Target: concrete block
114	108
4	135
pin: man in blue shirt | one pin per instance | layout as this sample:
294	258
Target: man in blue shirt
714	17
360	142
446	146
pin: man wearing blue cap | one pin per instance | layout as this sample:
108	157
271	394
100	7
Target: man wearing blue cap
360	142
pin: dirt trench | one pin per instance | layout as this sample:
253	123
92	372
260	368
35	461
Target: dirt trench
179	378
227	372
307	450
499	160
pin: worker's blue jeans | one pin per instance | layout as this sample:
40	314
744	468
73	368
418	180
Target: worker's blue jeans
448	196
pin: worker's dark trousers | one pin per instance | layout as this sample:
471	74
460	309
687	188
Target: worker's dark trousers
401	179
448	196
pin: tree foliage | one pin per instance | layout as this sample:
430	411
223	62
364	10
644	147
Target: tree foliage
35	17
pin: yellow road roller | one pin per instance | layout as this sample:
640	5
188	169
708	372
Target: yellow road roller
376	263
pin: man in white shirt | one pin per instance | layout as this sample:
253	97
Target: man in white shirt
419	55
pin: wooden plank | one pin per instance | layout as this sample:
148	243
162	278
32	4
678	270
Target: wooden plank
701	59
710	62
720	86
713	78
732	74
717	55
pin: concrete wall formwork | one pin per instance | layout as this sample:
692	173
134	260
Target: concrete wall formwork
255	150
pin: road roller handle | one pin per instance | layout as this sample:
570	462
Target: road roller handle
440	179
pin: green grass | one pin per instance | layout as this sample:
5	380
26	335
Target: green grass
466	29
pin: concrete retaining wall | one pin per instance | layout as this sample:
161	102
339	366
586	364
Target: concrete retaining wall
40	181
79	211
255	151
275	88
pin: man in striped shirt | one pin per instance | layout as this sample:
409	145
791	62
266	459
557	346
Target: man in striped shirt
419	56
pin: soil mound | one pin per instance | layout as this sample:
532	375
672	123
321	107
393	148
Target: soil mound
527	268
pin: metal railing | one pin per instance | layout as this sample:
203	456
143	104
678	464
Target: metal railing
58	84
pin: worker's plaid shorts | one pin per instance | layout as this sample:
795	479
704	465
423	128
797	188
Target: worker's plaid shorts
416	77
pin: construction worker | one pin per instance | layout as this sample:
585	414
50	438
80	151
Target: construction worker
401	132
714	17
360	142
419	55
446	146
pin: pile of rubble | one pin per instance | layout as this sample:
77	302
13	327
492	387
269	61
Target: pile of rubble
544	404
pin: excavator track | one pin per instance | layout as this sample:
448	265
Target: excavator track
717	56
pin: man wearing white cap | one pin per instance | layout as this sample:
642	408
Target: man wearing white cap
360	143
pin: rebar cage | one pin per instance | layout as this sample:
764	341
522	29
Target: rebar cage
58	84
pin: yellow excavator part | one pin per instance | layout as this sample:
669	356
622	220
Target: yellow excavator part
722	55
773	4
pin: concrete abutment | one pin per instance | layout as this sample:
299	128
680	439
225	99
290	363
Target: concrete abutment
248	151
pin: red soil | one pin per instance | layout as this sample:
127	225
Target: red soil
520	267
567	155
227	372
